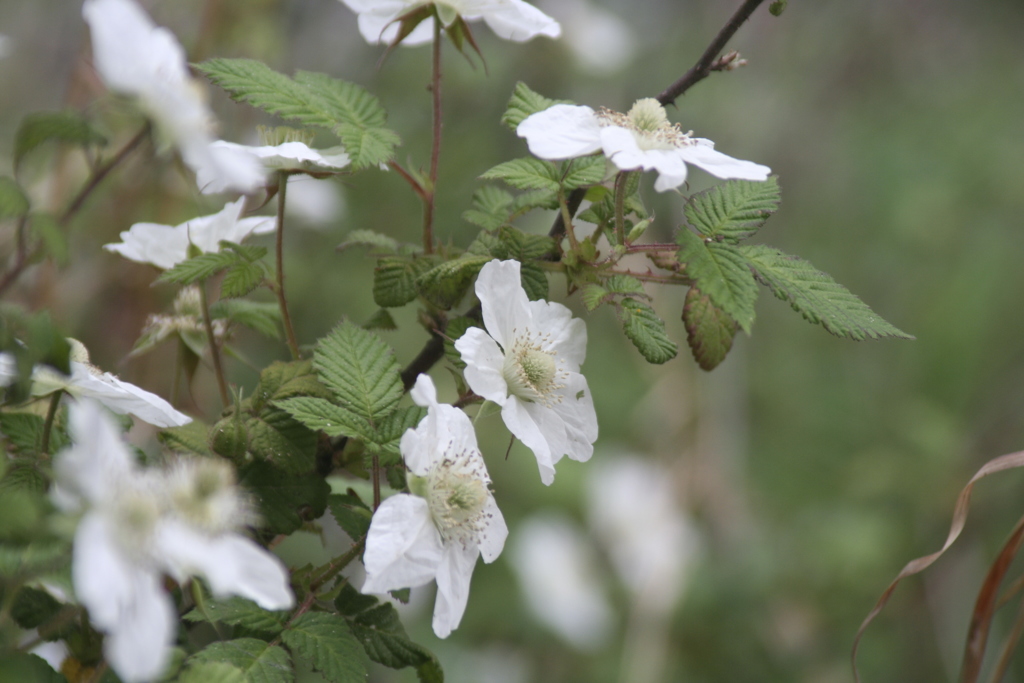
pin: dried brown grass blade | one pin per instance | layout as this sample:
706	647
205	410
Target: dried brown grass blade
1010	645
963	501
985	606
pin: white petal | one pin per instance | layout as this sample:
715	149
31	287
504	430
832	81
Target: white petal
8	369
139	648
403	548
424	393
576	412
124	398
492	538
525	428
484	361
453	576
519	21
620	146
231	564
564	335
98	461
703	155
563	131
161	245
503	300
223	169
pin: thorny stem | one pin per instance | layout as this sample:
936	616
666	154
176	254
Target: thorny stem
24	256
51	413
567	219
652	277
651	247
218	370
293	344
435	152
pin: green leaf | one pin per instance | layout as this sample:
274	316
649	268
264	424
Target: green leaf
491	208
53	239
351	514
535	199
239	612
199	268
534	281
284	501
445	284
13	202
381	320
212	672
646	330
24	478
351	602
193	437
24	432
720	270
625	284
242	279
382	635
455	329
321	415
389	432
527	173
361	370
518	245
64	126
709	330
525	102
281	380
263	317
394	280
22	667
278	438
584	171
816	296
593	296
33	559
325	642
315	99
733	210
258	661
33	607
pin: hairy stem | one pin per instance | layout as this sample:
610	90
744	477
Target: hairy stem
51	413
218	370
566	216
435	151
376	482
289	331
407	177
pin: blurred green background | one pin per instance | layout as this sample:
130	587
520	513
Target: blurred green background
811	468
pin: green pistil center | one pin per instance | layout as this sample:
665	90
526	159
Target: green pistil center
529	372
648	115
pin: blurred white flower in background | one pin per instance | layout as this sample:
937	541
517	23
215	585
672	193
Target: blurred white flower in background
554	563
509	19
318	204
528	362
139	525
6	46
449	519
640	139
164	246
135	57
600	41
288	156
89	382
634	510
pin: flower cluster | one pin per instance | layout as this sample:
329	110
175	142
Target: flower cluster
139	525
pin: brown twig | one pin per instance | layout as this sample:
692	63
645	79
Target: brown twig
707	62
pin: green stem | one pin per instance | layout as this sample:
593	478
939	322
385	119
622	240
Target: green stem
218	370
51	413
567	220
376	482
435	152
334	567
293	344
621	180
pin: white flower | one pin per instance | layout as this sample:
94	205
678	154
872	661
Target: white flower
528	362
139	525
5	46
88	382
555	564
449	519
165	246
135	57
288	156
641	139
509	19
600	41
634	509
